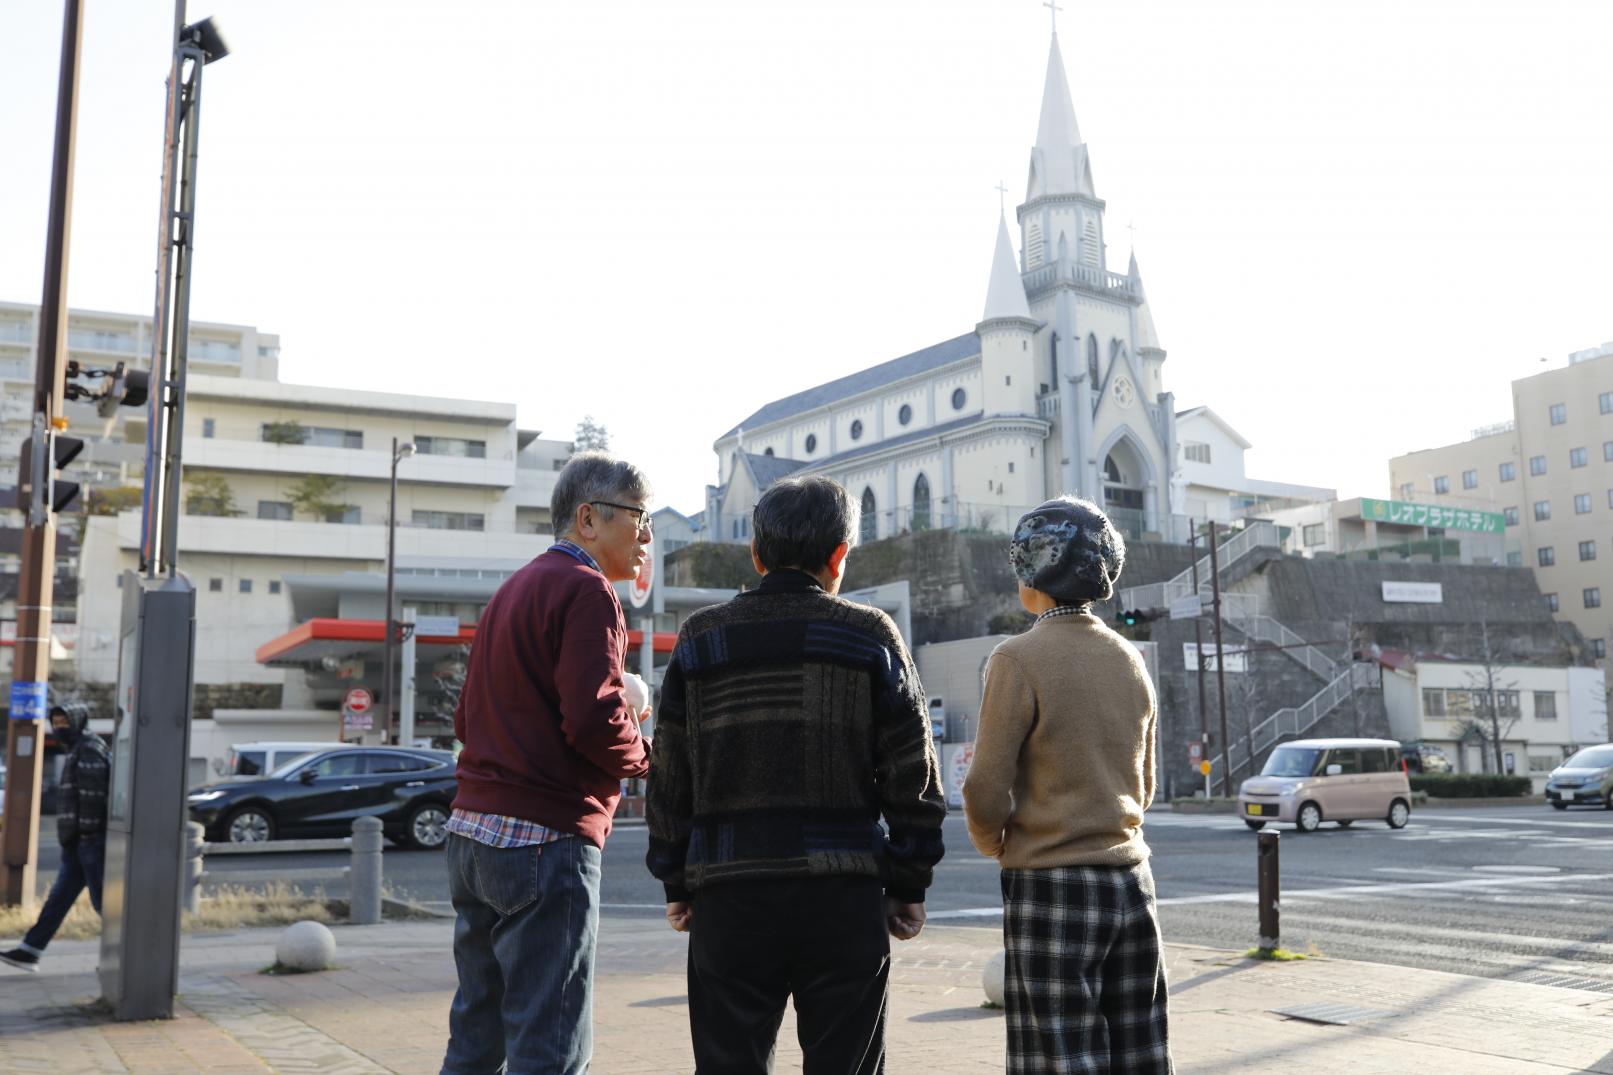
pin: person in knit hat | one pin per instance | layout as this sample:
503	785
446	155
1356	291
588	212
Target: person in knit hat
1063	771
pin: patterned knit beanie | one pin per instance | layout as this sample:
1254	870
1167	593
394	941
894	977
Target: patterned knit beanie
1068	549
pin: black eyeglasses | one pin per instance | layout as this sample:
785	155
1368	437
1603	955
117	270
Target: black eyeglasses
642	520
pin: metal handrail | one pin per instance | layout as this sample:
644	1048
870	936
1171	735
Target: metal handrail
1292	721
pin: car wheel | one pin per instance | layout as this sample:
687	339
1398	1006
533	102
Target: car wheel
1256	825
1559	806
1399	814
428	826
1309	818
249	825
1607	799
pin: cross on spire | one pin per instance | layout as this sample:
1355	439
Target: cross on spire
1052	5
1002	193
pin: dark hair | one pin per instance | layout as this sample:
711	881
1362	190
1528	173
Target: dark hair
57	710
799	522
590	477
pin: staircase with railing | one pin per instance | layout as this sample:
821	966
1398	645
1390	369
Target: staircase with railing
1291	722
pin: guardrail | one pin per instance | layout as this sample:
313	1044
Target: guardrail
362	875
1291	721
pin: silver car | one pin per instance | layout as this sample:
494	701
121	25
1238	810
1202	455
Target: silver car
1586	779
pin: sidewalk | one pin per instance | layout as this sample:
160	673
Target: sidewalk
385	1010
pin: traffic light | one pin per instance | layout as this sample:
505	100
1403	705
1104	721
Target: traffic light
1131	617
45	453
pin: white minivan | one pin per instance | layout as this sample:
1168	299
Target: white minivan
263	758
1308	781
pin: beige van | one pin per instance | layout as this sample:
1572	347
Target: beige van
1308	781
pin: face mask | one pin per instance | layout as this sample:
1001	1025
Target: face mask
65	736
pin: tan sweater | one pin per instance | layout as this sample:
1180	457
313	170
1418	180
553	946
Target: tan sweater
1064	758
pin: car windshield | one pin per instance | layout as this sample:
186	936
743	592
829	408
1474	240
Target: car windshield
1291	761
1591	758
285	768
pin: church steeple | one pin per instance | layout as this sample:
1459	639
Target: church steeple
1059	163
1005	294
1147	335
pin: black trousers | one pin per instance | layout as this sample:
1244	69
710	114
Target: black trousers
755	944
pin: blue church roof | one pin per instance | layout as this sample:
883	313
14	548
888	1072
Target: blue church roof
855	384
767	469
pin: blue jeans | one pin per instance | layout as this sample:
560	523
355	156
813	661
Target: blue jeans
524	947
83	862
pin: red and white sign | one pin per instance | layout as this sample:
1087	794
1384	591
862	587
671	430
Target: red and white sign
639	591
1195	753
358	700
357	715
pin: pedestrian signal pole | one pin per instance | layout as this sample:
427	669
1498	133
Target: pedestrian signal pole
1220	664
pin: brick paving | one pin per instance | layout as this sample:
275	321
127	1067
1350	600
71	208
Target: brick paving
384	1009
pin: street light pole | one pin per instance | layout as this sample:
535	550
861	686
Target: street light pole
388	686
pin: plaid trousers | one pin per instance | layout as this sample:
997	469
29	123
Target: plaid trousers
1085	980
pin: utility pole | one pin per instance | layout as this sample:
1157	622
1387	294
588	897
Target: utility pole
1220	663
31	664
1198	652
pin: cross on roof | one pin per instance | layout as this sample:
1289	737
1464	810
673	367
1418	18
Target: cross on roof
1053	6
1002	192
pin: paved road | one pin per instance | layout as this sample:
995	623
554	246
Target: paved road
1524	893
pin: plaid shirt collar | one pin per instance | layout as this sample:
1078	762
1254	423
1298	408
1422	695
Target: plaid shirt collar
577	552
1063	610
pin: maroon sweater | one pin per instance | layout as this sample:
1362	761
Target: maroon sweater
543	714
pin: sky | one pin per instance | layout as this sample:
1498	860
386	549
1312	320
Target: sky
1357	220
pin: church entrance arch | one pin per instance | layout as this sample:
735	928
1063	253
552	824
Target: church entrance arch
868	526
1125	488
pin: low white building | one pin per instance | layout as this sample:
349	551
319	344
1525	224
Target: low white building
1216	489
1369	528
1546	713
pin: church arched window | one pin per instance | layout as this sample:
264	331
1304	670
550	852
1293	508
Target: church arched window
868	526
1064	247
767	451
1092	361
1053	349
921	503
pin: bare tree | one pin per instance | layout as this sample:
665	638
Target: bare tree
591	435
1491	708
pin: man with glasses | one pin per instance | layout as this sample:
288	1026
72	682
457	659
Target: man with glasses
548	734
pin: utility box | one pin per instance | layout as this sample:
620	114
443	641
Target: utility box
140	896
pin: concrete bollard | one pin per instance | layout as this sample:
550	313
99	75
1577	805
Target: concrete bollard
1270	892
195	839
364	877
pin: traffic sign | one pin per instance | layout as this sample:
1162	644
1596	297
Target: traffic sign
639	590
1204	767
358	700
1190	607
1195	753
28	700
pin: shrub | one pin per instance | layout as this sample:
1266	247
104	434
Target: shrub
1470	785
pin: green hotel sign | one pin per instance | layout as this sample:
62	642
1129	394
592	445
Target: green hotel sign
1405	513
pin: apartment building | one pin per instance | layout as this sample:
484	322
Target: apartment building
1549	470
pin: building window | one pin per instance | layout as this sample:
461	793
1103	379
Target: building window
856	429
1510	515
1605	401
1576	457
245	585
811	443
455	446
1551	602
450	520
1092	362
1598	648
1470	479
324	437
959	398
274	587
1587	550
1509	471
1607	451
1545	705
1537	465
207	429
346	514
1314	534
1592	596
215	585
1559	414
904	414
1196	452
1542	510
1442	484
1406	490
868	525
1010	466
1582	503
1545	556
278	510
1433	702
921	503
768	450
1514	559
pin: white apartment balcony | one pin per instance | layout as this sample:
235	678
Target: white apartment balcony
355	463
335	541
533	488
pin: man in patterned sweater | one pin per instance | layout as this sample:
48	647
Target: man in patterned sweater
790	721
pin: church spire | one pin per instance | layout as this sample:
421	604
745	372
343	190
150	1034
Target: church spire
1059	162
1005	294
1147	335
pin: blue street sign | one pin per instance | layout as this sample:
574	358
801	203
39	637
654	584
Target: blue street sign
28	701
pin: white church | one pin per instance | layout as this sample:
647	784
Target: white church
1059	388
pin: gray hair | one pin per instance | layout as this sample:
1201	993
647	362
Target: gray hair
590	477
799	522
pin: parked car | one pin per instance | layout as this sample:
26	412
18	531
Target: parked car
1421	758
322	794
1584	779
1308	781
262	758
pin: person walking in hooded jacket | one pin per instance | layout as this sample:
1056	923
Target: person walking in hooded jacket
1062	772
80	829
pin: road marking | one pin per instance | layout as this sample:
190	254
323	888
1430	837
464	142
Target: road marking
1516	869
1442	816
1406	888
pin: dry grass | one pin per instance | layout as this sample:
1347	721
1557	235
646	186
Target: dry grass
228	907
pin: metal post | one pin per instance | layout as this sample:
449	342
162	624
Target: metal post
389	629
195	844
36	580
1270	892
1220	664
364	876
1198	648
406	681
